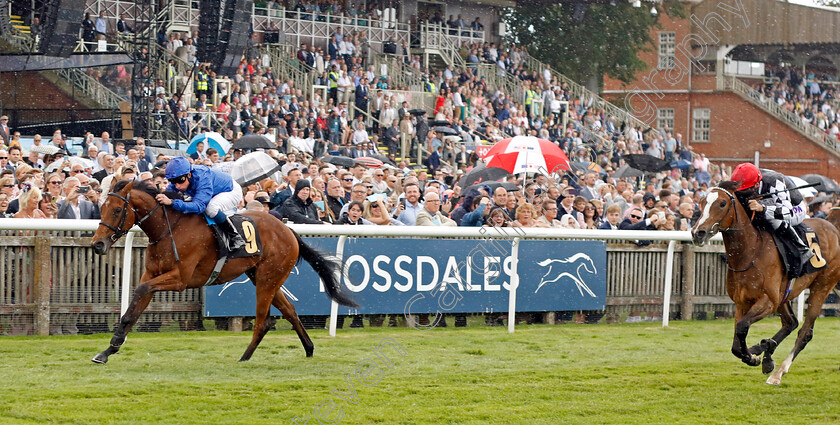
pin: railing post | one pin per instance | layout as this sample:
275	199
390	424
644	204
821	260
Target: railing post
339	253
669	272
688	282
42	281
514	284
126	275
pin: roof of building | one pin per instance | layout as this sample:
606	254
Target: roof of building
737	22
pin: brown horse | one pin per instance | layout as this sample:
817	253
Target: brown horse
134	203
755	279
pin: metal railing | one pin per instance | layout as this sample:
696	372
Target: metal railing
497	80
286	65
400	74
812	132
578	91
311	28
431	37
459	36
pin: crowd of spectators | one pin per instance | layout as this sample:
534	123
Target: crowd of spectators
811	97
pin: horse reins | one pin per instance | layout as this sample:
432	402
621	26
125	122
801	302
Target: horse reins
120	232
732	200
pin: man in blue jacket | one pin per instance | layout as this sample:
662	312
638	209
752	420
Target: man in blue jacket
213	193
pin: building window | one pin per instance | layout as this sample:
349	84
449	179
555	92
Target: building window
665	117
667	49
702	124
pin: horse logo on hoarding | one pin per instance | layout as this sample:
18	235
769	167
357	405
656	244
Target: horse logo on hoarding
561	270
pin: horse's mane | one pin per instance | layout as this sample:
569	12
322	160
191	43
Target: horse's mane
728	185
147	188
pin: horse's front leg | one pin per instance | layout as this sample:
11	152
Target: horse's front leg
756	312
768	346
142	296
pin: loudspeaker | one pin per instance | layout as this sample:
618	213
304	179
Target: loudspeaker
209	18
60	29
233	39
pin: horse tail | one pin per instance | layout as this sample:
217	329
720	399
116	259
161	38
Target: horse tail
326	268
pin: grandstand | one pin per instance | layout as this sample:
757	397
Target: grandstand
407	47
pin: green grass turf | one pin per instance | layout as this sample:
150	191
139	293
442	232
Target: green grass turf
542	374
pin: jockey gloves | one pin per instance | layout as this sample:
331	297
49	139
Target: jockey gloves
747	174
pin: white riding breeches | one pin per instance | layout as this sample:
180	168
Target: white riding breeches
226	202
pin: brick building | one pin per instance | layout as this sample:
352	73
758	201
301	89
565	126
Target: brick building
702	72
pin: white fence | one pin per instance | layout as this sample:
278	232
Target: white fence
344	232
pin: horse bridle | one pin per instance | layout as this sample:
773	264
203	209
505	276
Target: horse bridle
716	227
119	231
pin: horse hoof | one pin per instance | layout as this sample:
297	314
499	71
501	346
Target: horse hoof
753	360
774	381
767	365
100	358
308	354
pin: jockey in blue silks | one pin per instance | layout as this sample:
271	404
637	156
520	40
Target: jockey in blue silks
212	192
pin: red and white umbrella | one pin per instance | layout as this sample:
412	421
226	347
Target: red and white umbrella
524	154
370	162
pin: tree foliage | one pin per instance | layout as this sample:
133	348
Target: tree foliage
604	42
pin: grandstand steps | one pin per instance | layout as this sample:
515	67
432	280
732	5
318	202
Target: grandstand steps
18	24
433	59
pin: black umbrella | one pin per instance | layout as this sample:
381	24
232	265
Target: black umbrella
826	184
510	187
482	174
819	200
627	171
441	123
647	163
339	160
416	111
449	131
253	142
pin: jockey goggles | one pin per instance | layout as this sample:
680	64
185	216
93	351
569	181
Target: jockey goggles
179	179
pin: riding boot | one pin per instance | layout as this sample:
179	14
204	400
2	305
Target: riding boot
802	250
235	240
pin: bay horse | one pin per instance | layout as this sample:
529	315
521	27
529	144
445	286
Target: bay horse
755	279
133	202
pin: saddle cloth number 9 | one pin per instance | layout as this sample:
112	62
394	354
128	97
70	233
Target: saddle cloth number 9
251	240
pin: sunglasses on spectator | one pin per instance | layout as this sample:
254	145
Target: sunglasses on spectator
179	179
4	157
77	171
52	182
8	185
637	217
374	206
348	180
368	187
